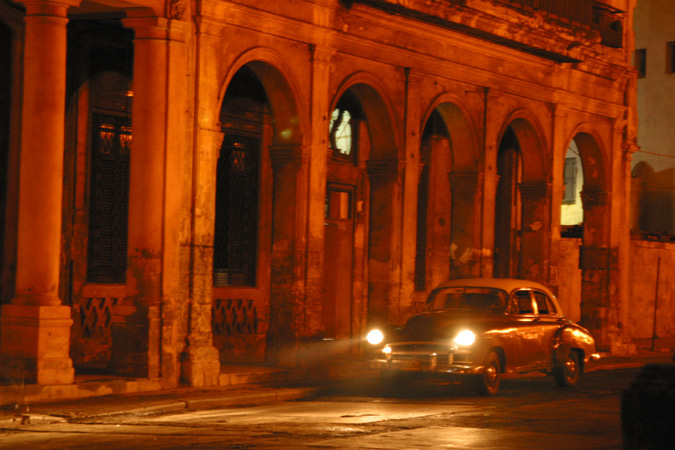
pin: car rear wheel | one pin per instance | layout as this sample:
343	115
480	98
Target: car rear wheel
568	373
489	381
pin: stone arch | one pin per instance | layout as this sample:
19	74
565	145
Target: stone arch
448	194
383	160
287	103
283	151
598	260
594	194
522	213
374	100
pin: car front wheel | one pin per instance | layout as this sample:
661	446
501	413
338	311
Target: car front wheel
568	373
489	381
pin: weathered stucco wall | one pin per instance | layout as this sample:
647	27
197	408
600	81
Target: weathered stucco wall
569	277
652	284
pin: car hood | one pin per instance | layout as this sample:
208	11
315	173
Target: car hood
446	324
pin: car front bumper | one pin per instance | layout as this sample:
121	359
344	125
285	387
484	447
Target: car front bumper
430	366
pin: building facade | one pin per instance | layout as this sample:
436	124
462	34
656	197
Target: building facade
191	184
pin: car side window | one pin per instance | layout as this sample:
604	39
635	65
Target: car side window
523	302
542	305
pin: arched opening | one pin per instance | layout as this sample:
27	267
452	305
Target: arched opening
96	186
258	216
508	207
348	140
240	267
376	202
572	210
244	113
432	264
522	213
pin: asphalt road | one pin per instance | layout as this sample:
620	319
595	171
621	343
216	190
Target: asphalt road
530	413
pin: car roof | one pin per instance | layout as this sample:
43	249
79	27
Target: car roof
507	284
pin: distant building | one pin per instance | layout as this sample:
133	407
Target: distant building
653	167
190	184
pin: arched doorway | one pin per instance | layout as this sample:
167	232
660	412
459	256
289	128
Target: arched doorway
432	264
96	187
374	175
348	143
258	216
597	260
522	213
508	207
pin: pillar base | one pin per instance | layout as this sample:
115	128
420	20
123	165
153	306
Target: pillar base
35	344
200	366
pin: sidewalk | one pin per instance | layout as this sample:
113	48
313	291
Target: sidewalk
249	392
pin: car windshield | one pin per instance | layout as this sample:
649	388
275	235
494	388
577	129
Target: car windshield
474	298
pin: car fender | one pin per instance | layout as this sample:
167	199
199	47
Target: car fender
572	336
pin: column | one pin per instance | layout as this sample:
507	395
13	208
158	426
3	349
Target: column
385	178
200	364
200	359
597	260
410	186
142	343
534	241
320	117
290	165
465	226
35	325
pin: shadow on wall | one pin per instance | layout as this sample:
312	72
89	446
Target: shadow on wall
653	200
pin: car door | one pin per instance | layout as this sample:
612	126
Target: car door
528	330
551	320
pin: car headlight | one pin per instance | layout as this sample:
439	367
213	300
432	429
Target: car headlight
375	337
465	338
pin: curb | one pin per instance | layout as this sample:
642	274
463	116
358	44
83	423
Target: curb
74	412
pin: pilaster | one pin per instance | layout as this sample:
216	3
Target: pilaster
535	250
385	178
290	164
320	119
465	233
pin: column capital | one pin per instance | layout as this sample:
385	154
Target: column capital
57	8
321	54
148	26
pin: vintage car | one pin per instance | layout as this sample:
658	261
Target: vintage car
481	329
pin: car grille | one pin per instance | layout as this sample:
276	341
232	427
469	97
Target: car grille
438	354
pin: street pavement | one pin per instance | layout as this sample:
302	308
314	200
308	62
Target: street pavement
260	391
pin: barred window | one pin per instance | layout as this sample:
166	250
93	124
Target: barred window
109	199
236	227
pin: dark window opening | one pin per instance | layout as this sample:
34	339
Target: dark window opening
640	62
236	228
670	57
109	199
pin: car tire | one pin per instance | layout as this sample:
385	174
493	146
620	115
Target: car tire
567	374
489	381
